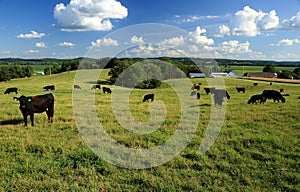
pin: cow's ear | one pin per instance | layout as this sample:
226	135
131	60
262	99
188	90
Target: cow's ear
29	99
16	98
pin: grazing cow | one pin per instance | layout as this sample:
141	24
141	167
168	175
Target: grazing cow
241	89
208	89
271	83
36	104
106	90
257	98
10	90
272	94
255	84
148	96
219	95
96	86
198	95
77	87
51	87
281	90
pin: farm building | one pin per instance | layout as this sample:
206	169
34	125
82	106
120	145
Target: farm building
197	75
262	74
229	73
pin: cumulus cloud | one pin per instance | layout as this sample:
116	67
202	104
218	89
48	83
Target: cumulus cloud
105	42
235	46
287	42
199	37
173	42
223	30
249	22
137	40
66	44
31	51
32	35
86	15
40	45
293	22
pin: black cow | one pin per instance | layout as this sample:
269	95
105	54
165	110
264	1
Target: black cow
106	90
96	86
257	98
208	89
219	95
36	104
10	90
255	84
272	94
241	89
148	96
281	90
198	95
49	87
76	87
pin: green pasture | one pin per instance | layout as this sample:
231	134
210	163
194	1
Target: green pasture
257	148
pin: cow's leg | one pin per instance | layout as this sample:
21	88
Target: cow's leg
50	115
25	119
32	119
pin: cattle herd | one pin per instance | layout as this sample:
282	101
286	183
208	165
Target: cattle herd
45	103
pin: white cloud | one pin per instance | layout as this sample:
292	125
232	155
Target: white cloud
293	22
235	46
223	30
287	42
66	44
137	40
40	45
86	15
249	22
31	51
199	37
105	42
32	35
173	42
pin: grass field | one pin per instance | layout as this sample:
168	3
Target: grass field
258	148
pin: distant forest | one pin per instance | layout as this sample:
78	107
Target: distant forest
17	68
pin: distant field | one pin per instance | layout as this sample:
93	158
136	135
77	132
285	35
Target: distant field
257	149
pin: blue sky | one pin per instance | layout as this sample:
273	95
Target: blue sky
235	29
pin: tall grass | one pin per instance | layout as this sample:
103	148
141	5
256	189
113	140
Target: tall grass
257	149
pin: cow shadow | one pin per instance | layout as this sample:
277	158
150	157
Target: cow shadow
102	82
11	122
202	105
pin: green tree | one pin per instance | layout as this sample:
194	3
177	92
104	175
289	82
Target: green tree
269	68
296	73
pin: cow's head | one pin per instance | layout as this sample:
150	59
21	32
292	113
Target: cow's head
25	102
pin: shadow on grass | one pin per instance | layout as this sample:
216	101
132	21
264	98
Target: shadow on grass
103	82
11	122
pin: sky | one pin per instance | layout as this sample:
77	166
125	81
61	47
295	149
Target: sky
235	29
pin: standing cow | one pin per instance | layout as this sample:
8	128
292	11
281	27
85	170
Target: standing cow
148	97
106	90
97	86
10	90
219	95
76	87
51	87
36	104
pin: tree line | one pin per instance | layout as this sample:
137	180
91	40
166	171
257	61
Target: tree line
8	72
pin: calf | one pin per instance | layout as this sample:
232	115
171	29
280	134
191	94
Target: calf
219	95
272	94
256	98
76	87
106	90
241	89
36	104
148	96
96	86
51	87
10	90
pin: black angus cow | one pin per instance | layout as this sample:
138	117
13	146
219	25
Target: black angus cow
36	104
106	90
273	94
198	95
219	95
241	89
97	86
257	98
148	96
208	89
49	87
10	90
281	90
76	87
255	84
